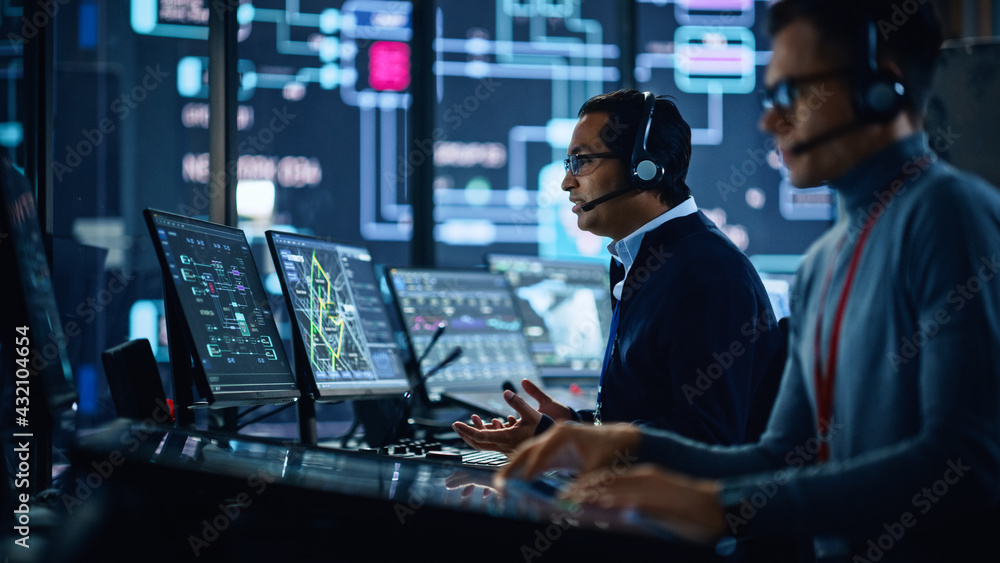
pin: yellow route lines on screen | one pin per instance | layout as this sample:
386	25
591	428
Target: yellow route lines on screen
321	298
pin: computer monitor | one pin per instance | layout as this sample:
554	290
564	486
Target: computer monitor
566	306
218	314
338	318
478	311
779	292
42	394
777	272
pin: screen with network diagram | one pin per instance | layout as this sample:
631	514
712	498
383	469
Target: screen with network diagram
339	315
566	307
512	76
479	315
325	101
210	272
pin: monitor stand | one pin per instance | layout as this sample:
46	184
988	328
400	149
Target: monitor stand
372	413
181	367
306	407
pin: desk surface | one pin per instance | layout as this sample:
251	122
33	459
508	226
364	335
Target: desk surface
182	494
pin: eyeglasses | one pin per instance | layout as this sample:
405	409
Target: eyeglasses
574	163
785	92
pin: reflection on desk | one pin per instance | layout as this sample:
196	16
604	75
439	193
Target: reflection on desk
154	493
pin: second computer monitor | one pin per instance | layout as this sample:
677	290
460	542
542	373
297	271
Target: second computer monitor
566	306
478	311
337	312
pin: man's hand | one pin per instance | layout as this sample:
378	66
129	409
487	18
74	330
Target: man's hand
685	506
498	435
556	411
574	447
506	436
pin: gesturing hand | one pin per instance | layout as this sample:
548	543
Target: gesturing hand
499	435
557	411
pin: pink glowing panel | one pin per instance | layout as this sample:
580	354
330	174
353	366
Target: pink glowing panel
719	5
719	61
389	66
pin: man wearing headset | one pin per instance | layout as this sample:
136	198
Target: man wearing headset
693	332
884	442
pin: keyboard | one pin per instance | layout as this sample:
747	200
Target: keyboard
430	450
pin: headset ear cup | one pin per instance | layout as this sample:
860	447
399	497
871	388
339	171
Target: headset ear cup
879	95
882	98
647	172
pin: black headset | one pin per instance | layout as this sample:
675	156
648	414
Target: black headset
646	171
878	94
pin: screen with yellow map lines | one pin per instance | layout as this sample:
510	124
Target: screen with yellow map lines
337	311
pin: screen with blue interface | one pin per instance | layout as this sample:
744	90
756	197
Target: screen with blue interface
337	312
566	307
512	76
779	291
479	315
325	104
210	272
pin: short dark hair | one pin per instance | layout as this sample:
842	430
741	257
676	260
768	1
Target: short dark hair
909	34
669	137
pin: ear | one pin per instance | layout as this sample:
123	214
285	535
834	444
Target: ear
890	67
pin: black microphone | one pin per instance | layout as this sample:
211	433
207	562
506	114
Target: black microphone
451	357
430	345
594	203
810	144
401	410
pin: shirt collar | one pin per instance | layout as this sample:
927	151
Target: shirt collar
626	249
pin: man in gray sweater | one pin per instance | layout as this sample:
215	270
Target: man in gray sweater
884	443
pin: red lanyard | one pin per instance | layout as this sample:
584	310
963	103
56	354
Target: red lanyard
824	380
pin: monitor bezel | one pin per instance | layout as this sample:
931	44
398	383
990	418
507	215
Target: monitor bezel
186	346
36	356
550	371
58	386
305	374
536	377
